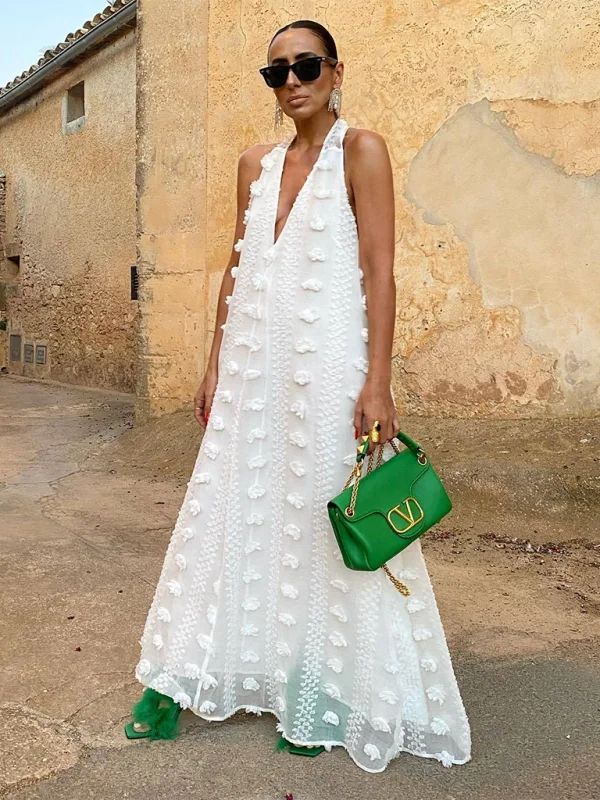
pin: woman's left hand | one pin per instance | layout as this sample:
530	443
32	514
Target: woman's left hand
375	402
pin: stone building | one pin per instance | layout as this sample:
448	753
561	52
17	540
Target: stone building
491	113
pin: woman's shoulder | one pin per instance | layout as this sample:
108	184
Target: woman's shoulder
364	143
252	155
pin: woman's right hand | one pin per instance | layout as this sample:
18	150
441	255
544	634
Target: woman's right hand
203	398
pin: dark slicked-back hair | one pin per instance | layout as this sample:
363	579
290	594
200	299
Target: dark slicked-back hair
316	28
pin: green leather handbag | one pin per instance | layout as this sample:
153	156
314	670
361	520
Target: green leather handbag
398	501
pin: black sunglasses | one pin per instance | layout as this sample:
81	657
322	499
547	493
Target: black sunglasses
307	69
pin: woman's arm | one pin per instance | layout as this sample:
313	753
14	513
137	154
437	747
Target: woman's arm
371	179
248	171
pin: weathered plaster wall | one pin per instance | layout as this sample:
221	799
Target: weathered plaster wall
70	207
172	206
489	112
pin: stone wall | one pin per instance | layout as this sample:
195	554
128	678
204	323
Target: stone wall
491	115
70	220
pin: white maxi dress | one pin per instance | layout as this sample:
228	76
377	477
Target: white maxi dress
254	608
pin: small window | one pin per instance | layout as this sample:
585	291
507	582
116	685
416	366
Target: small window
76	102
15	347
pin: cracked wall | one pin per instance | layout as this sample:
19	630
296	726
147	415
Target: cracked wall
489	111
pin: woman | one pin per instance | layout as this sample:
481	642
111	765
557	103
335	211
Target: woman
254	608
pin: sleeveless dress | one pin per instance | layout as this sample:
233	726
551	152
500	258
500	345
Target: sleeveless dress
254	608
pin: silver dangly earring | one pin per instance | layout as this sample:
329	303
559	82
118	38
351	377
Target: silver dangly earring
335	101
278	115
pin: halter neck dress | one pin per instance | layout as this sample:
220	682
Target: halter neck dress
254	608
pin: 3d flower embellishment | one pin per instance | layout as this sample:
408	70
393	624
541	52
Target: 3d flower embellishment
414	604
256	433
238	245
251	604
202	477
251	546
298	439
388	696
259	281
251	310
256	462
249	630
337	639
321	192
232	367
445	757
247	339
292	530
324	163
363	301
144	667
186	534
361	274
191	671
407	575
246	216
234	271
183	699
312	284
361	363
353	395
365	334
317	224
302	377
250	655
251	374
287	590
439	726
338	612
269	253
279	676
253	710
157	641
174	587
297	468
224	395
429	664
228	298
251	575
267	161
331	718
372	751
211	614
335	664
294	499
392	667
208	681
163	614
205	642
194	508
251	685
309	315
332	690
381	724
316	254
254	404
255	518
304	345
279	704
207	707
420	634
289	560
436	693
283	649
255	491
256	189
287	619
217	422
180	561
211	450
337	583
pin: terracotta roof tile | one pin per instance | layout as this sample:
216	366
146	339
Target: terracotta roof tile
68	41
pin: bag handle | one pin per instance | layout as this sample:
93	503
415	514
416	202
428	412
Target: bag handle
363	446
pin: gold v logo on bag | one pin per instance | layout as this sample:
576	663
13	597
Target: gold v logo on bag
408	510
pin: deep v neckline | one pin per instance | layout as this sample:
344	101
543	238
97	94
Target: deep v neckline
302	189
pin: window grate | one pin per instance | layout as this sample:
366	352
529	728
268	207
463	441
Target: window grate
135	283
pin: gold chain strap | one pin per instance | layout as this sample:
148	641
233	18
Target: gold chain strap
357	475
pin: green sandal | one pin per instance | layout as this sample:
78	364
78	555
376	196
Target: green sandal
155	716
298	749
